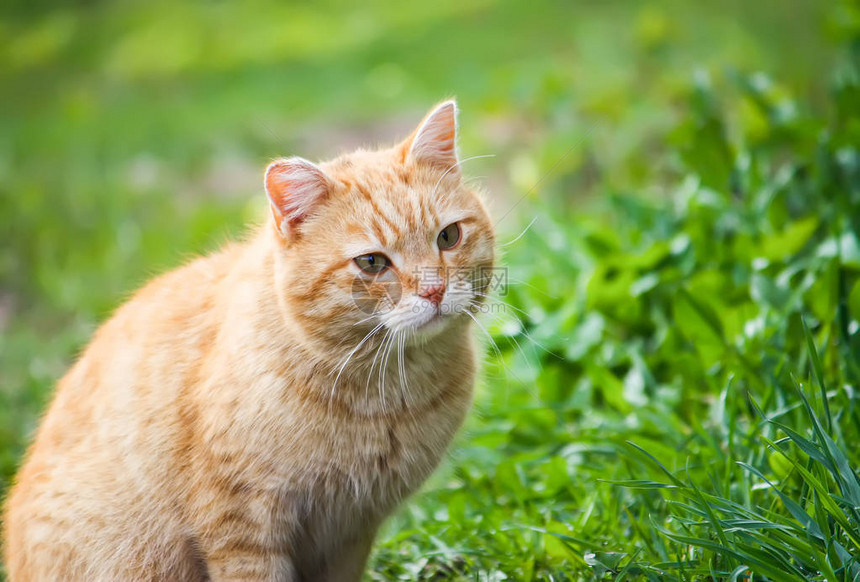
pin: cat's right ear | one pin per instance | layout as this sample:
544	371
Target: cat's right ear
435	141
295	187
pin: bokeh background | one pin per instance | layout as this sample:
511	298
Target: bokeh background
659	149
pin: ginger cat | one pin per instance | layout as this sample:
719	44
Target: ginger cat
255	414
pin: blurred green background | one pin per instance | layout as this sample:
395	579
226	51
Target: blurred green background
134	134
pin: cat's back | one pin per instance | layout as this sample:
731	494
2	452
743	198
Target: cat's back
113	416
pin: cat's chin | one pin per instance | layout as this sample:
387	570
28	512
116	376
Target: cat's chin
428	330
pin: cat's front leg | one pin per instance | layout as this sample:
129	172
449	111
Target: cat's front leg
240	542
245	565
348	565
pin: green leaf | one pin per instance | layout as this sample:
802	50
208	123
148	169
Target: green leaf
784	244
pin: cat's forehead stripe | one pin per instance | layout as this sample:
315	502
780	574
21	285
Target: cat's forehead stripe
367	195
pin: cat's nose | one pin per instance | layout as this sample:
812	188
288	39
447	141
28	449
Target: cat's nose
433	294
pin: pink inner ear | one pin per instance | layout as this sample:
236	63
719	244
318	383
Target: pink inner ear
295	186
435	140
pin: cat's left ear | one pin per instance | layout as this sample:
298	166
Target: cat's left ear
435	141
295	187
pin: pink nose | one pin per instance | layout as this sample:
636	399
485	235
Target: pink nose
433	294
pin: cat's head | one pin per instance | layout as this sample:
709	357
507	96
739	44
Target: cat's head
389	240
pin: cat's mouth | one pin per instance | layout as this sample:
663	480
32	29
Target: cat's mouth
430	324
424	320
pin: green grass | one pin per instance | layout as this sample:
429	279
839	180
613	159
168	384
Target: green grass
680	400
673	394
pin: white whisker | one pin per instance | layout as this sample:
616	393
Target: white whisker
519	236
383	367
373	364
360	321
529	386
463	161
529	285
495	347
528	336
495	298
405	397
348	358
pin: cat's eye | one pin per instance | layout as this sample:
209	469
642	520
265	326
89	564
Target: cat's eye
449	237
372	263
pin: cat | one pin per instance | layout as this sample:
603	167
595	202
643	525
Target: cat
257	413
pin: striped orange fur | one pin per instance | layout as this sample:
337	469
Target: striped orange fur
256	414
